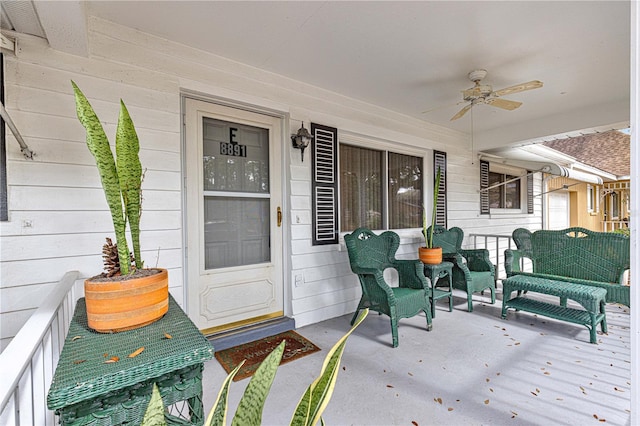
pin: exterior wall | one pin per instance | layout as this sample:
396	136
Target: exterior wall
58	217
579	214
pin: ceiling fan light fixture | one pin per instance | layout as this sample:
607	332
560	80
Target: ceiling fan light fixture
477	75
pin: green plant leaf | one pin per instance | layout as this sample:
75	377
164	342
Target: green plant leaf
130	178
218	414
317	396
154	415
99	146
249	411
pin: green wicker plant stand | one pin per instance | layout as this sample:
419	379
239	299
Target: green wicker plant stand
97	383
435	273
590	297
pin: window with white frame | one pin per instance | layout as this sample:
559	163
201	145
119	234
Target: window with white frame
615	205
379	189
505	189
593	202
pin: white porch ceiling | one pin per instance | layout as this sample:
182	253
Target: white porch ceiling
409	56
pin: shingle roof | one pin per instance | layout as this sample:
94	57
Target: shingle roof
608	151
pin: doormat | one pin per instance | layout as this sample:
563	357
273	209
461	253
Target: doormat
255	352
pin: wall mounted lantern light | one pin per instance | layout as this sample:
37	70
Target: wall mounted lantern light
301	140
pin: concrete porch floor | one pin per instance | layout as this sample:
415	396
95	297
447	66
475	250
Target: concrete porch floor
471	369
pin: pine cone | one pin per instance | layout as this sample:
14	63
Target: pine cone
110	258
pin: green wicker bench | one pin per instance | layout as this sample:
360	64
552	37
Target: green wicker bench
591	298
574	255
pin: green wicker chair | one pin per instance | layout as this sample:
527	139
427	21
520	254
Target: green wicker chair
369	256
472	270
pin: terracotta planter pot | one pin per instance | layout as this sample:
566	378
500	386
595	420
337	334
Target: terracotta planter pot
114	306
430	256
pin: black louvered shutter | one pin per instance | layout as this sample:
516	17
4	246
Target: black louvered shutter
440	160
530	192
324	184
484	184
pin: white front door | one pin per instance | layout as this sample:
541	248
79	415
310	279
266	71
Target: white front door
558	210
234	198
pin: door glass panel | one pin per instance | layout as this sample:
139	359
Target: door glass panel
236	194
236	231
235	157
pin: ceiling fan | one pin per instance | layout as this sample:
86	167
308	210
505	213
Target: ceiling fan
484	93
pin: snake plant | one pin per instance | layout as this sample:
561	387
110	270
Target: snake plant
249	411
121	178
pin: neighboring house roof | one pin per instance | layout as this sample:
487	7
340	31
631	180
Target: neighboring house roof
608	151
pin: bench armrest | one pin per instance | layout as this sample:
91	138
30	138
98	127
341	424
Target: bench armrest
512	260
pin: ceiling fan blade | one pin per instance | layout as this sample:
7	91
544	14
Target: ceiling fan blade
441	107
462	112
535	84
503	103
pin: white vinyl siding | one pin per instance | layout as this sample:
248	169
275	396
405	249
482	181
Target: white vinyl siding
58	218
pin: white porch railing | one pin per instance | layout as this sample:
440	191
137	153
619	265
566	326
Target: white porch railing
496	244
612	225
28	363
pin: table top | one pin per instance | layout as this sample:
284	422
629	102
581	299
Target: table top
441	265
86	367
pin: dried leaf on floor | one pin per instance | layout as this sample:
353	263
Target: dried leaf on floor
486	402
389	386
112	359
450	409
136	352
438	400
168	336
76	338
414	423
487	380
79	361
491	389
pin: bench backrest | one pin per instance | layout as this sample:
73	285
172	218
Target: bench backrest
576	252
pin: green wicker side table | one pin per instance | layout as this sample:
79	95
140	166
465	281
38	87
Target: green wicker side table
434	273
89	388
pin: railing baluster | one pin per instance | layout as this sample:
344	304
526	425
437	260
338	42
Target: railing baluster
493	237
27	364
